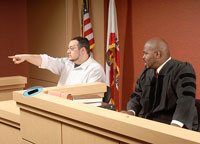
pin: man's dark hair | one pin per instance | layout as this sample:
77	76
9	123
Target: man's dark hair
83	42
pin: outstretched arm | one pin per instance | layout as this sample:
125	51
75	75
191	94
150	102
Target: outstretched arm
33	59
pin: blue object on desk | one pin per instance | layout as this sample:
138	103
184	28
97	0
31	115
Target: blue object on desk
33	91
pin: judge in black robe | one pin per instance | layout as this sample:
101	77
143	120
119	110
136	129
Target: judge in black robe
168	97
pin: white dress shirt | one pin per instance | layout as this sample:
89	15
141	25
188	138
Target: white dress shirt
88	72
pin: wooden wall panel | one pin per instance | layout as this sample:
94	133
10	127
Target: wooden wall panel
9	134
46	33
73	135
48	131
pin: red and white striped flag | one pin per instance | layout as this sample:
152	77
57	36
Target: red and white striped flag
112	54
86	26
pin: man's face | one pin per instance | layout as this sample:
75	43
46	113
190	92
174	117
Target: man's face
149	56
73	51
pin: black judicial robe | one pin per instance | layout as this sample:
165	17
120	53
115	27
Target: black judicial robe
170	96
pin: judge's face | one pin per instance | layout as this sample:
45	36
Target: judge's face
73	51
149	56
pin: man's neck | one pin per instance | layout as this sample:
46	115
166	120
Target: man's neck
161	66
81	61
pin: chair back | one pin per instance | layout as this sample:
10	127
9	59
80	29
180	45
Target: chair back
197	103
107	95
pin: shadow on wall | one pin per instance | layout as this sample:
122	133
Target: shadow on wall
128	70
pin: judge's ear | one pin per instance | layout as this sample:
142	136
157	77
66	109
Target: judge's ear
158	54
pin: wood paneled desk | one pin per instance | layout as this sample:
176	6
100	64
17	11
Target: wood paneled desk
9	112
46	119
9	123
10	84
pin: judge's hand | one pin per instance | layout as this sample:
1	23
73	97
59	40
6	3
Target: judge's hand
17	59
128	112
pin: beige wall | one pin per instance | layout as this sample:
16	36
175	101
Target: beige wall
51	25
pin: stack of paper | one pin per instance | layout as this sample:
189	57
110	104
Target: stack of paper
91	94
91	99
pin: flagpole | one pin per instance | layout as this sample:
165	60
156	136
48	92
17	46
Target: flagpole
114	69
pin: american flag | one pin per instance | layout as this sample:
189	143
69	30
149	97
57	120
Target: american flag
112	54
86	26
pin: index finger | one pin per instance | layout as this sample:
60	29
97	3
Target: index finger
11	56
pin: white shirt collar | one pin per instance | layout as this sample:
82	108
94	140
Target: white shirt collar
85	64
160	67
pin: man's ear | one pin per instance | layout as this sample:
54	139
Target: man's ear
83	49
158	54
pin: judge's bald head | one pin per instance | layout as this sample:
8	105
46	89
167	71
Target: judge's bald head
156	52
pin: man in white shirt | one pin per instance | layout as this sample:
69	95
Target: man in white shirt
165	90
78	68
